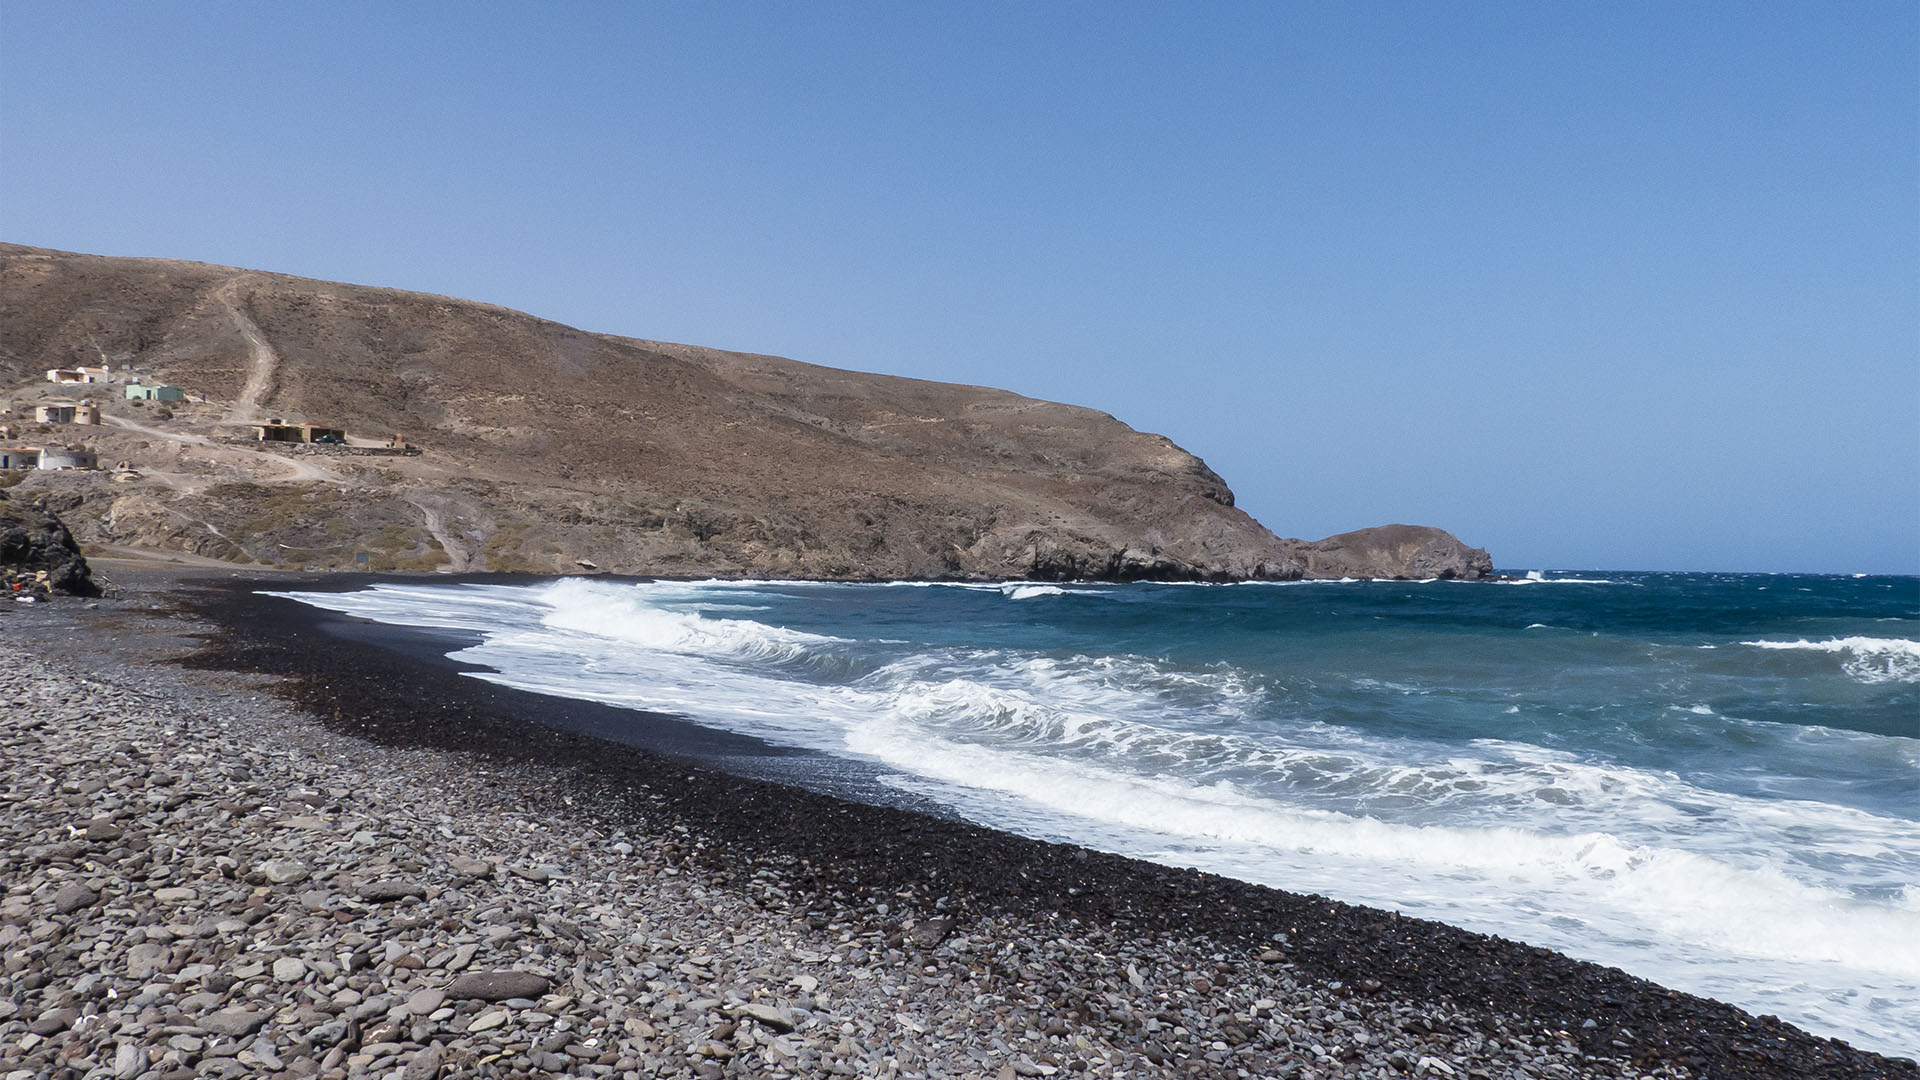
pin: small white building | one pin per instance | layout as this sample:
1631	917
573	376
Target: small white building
19	457
82	374
54	457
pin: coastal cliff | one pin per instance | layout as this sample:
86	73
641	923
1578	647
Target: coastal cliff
479	438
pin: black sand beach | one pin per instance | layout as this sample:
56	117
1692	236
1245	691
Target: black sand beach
717	807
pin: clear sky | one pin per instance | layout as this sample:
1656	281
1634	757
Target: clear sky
1614	285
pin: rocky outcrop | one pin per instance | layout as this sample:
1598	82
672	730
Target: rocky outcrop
546	446
1417	552
34	542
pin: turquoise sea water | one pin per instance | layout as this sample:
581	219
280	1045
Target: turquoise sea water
1712	781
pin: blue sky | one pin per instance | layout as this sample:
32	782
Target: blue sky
1619	286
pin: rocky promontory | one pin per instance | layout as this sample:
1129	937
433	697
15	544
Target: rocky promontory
479	438
1397	551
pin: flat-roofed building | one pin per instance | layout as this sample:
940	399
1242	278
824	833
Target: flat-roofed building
141	392
54	457
299	433
82	374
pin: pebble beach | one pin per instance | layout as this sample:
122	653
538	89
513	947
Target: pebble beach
235	845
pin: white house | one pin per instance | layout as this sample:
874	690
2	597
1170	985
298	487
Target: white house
54	457
82	374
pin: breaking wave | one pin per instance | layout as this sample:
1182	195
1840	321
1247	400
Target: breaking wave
1868	659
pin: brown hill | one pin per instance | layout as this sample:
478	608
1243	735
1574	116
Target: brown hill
545	446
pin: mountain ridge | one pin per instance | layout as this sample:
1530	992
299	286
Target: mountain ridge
547	447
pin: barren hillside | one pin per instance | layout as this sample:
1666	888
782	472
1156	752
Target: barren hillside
543	446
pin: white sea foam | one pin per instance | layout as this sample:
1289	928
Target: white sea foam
977	586
461	607
1535	577
620	613
1756	912
1869	659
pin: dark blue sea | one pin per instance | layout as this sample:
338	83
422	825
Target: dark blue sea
1710	780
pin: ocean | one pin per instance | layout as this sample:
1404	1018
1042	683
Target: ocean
1708	780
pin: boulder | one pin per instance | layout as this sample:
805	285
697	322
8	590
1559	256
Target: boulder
33	540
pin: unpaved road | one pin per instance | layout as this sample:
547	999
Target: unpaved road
294	468
458	557
266	363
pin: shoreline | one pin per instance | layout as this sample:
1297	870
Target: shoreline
1189	946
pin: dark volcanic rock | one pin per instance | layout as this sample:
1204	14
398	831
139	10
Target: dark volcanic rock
236	1023
931	933
386	892
1397	551
52	1023
498	985
32	540
74	896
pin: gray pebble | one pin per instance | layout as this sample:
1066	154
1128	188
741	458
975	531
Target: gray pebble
74	896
